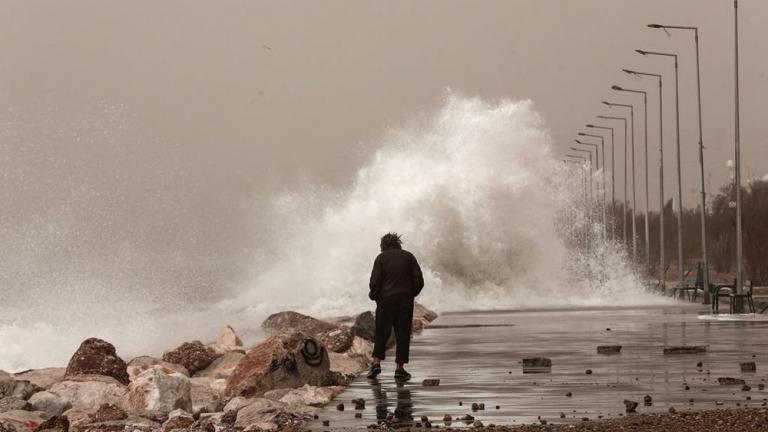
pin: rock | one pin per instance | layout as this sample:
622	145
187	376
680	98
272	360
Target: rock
177	419
337	338
50	403
156	392
310	395
359	404
746	388
258	413
139	364
223	366
130	424
365	326
348	365
648	400
12	403
206	397
630	406
420	311
609	349
42	378
287	359
88	392
477	424
97	357
588	371
228	341
537	365
21	421
685	350
730	381
57	423
237	403
672	410
431	382
107	412
340	407
447	418
194	356
748	367
569	394
21	389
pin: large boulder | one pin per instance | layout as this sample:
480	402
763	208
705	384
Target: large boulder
289	358
156	392
140	364
97	357
365	328
194	356
13	404
21	421
228	341
206	395
337	338
420	311
21	389
42	378
87	392
50	403
306	395
223	366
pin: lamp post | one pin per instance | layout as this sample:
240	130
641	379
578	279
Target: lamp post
705	261
645	136
591	168
680	263
737	146
602	147
613	168
582	161
623	204
661	172
634	202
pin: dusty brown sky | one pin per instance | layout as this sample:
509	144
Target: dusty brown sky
162	125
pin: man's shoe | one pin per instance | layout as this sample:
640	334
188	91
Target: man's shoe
374	372
402	374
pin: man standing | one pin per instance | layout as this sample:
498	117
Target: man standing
395	280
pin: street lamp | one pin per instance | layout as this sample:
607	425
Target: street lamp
661	172
645	136
634	202
623	204
613	168
680	263
582	161
739	281
602	146
701	158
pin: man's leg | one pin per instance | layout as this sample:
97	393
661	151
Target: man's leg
403	323
384	318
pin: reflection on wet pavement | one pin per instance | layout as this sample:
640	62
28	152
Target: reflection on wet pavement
482	365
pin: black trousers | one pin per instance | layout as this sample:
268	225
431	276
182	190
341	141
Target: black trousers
394	312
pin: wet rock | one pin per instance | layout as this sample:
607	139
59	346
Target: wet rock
421	311
42	378
699	365
287	359
685	349
672	410
194	356
630	406
22	421
358	415
17	388
309	395
130	424
49	403
206	395
537	365
228	341
337	338
139	364
746	388
648	400
365	327
748	367
156	392
447	418
609	349
475	407
107	412
588	371
562	415
433	382
347	364
359	404
730	381
477	424
223	366
340	407
88	392
761	386
177	419
261	413
97	357
13	404
569	394
57	423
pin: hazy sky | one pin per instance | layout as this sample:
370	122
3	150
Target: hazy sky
163	124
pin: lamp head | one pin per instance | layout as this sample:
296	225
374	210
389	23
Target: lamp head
655	26
639	51
607	103
590	125
631	72
615	87
581	134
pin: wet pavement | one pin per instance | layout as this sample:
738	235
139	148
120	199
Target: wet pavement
477	357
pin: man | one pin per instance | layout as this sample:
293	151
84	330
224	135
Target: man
395	280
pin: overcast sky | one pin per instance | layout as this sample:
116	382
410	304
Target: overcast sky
167	121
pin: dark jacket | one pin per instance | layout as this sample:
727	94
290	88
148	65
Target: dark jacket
395	271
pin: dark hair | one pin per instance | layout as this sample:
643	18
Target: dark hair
391	241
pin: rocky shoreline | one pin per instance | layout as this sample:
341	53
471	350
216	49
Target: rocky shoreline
277	384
